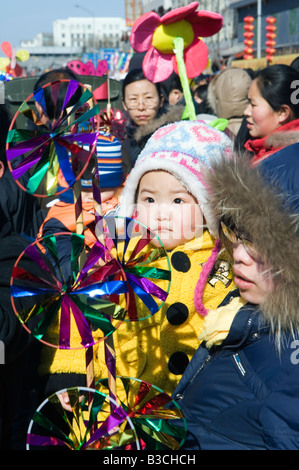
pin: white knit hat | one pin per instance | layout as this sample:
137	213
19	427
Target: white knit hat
183	149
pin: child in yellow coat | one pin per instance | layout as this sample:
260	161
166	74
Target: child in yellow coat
164	191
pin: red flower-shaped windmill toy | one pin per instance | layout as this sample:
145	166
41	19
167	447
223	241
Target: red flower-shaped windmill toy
173	43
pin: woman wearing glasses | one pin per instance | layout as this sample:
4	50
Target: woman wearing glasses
144	103
241	388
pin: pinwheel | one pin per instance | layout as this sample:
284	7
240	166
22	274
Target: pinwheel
172	43
54	291
144	261
47	135
114	122
92	423
158	420
50	294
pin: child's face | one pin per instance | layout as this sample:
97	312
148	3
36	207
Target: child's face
252	277
87	194
168	209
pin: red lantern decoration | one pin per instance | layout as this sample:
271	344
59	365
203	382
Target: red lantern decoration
248	27
248	35
270	35
271	19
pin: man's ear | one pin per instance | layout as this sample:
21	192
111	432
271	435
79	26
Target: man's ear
124	105
2	169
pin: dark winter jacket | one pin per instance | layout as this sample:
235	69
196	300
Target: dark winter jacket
19	208
281	138
282	163
243	393
14	339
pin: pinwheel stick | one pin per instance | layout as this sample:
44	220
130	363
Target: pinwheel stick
80	230
178	49
108	342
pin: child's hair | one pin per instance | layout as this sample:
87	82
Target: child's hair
136	75
201	91
172	83
53	111
276	84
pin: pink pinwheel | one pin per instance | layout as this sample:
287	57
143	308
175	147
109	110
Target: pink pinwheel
155	35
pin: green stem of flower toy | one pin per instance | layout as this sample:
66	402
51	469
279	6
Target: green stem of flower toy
178	49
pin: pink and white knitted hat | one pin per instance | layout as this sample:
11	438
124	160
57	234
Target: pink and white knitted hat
183	149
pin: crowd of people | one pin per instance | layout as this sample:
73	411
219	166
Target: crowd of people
225	206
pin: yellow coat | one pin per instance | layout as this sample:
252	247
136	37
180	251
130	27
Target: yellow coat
159	348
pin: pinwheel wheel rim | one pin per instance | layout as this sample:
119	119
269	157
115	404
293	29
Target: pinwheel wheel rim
86	390
92	150
142	417
43	341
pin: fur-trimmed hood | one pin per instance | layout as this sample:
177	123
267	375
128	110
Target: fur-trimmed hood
227	93
240	194
282	139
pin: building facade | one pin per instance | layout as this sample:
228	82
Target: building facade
88	33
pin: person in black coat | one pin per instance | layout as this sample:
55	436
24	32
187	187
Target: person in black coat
241	388
17	362
143	102
20	219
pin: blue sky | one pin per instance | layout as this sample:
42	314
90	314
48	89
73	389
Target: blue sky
23	19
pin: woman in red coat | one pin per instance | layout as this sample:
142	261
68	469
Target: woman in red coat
272	114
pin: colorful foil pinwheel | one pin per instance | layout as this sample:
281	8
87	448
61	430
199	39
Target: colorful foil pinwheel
146	267
114	122
158	420
51	295
43	139
155	35
96	422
